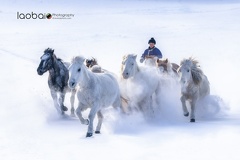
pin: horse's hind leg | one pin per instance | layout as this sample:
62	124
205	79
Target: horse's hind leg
72	99
184	107
100	120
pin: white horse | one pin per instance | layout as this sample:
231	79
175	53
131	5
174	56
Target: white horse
194	85
95	91
139	85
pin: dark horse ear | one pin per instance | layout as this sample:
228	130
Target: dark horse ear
166	61
53	51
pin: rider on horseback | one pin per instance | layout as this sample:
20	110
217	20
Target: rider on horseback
152	51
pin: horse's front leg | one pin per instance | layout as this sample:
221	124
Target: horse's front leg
100	120
79	114
184	107
192	115
91	116
55	102
72	99
61	102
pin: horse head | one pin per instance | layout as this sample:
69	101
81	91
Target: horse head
162	65
190	71
46	62
75	71
129	66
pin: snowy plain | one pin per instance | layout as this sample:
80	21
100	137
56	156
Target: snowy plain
207	30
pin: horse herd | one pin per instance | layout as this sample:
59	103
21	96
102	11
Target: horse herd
97	88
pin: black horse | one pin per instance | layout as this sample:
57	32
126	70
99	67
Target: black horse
57	80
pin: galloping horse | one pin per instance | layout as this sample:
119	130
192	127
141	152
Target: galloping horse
194	85
138	85
96	91
57	80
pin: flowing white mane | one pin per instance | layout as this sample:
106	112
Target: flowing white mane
197	74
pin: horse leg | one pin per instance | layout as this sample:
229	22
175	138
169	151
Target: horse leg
55	102
192	115
151	109
100	120
61	102
79	114
145	106
91	117
72	99
184	107
158	96
117	104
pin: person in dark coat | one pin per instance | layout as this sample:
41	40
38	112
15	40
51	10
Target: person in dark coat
151	51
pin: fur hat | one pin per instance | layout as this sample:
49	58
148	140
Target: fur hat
152	40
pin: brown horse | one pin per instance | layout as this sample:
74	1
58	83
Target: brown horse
165	66
92	64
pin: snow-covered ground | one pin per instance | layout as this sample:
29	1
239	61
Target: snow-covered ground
207	30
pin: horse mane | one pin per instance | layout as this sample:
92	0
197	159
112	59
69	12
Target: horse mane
190	59
50	50
197	73
94	60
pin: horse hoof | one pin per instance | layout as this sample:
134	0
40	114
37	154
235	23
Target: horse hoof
192	120
89	135
186	114
97	132
64	108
